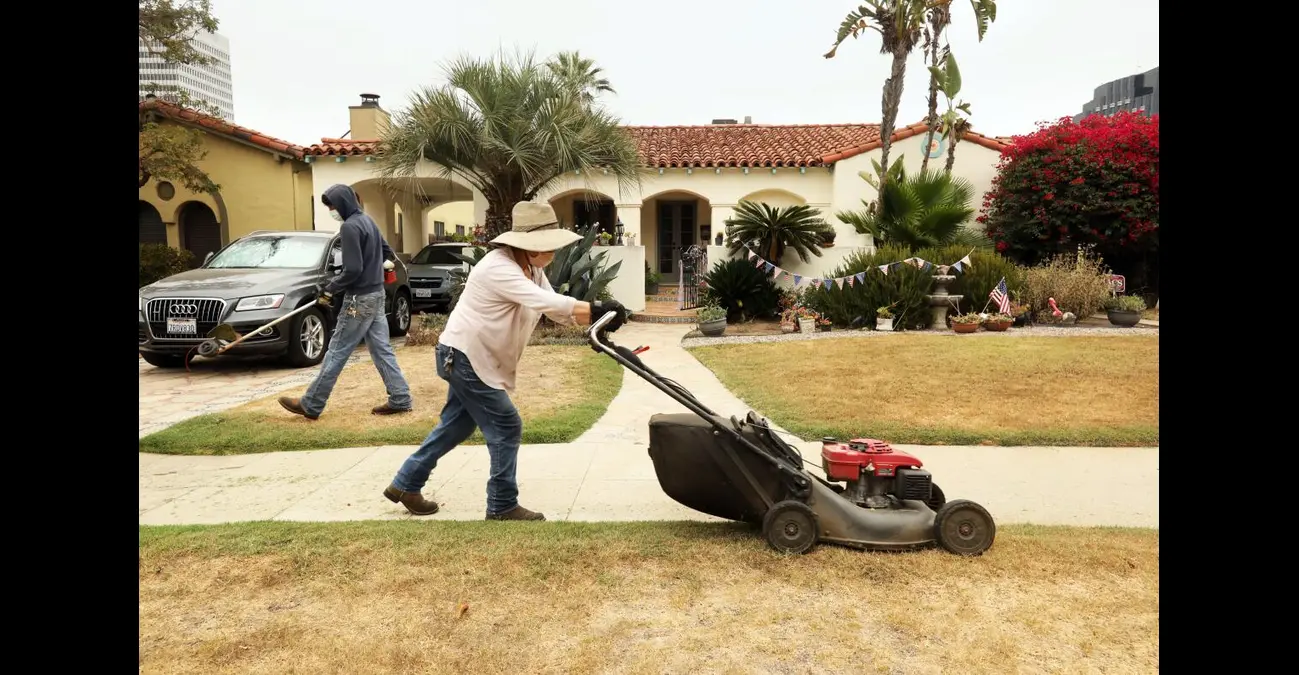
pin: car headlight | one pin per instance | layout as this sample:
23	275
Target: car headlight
260	302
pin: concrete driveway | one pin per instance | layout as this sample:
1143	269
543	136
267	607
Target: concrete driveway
171	395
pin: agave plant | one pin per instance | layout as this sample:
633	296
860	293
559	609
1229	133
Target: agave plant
772	230
927	209
577	273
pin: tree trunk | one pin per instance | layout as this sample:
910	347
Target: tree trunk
953	137
932	120
892	98
499	220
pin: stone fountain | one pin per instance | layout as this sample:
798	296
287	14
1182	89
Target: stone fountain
941	300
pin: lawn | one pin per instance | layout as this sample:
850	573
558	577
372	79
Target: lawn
950	390
475	597
562	391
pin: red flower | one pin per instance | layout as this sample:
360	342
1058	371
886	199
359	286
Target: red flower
1002	246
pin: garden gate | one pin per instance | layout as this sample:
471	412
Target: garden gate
694	264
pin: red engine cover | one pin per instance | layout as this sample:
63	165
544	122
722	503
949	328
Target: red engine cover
846	461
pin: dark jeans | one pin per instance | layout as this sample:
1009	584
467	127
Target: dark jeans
470	404
360	317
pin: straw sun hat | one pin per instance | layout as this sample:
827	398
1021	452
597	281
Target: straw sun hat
536	229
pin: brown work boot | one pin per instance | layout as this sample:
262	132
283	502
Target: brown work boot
387	409
516	513
413	501
294	406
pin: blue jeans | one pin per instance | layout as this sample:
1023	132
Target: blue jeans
470	404
359	317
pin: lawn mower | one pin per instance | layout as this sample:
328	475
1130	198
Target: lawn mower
742	470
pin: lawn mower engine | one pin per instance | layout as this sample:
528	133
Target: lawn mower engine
877	476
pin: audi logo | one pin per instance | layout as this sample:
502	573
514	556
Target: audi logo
189	309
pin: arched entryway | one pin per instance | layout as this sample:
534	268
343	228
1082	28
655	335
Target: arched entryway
152	229
200	231
672	222
584	208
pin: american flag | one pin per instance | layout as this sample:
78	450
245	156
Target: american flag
1001	296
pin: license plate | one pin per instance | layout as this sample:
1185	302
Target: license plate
182	326
423	292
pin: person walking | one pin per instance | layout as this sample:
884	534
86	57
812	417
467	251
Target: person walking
478	354
361	314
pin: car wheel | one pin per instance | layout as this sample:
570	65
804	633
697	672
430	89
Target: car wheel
399	320
165	360
308	339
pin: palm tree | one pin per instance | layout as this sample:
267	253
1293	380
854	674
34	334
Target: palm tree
900	24
923	210
508	128
939	17
773	229
582	75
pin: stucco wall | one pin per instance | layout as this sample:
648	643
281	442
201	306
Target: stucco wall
259	190
452	214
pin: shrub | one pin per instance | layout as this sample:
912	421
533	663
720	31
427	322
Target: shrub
426	329
1079	282
1093	182
1125	303
743	290
905	289
159	261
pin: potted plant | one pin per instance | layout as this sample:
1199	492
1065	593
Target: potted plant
712	320
966	323
827	237
651	281
788	320
604	238
822	324
806	319
1125	310
884	318
1020	316
998	322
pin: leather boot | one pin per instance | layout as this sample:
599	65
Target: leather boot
413	501
516	513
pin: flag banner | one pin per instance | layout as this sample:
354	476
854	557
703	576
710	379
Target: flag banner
861	277
957	267
798	279
768	267
858	278
1001	296
884	269
839	281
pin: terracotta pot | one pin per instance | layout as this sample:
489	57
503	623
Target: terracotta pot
965	327
997	326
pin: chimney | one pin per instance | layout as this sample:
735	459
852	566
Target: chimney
722	121
369	121
748	119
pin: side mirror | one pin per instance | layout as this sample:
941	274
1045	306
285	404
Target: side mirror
335	259
210	255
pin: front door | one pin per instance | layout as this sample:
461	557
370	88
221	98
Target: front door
675	234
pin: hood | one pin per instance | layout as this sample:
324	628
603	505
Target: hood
229	283
417	271
344	200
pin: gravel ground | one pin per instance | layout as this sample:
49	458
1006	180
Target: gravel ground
1042	331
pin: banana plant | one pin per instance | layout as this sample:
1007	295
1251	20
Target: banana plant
953	123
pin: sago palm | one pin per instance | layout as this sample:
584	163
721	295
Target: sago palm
927	209
771	230
508	128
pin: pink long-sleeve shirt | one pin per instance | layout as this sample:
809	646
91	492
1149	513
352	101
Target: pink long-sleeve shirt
496	314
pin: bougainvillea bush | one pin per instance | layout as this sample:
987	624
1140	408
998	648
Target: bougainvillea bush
1095	182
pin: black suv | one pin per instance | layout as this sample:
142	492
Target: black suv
249	283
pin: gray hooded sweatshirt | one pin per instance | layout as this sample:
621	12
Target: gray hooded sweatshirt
364	248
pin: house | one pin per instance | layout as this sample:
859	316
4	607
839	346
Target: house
693	178
264	185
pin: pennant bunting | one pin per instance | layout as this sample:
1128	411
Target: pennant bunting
957	266
840	282
760	262
965	262
767	267
751	255
851	279
884	269
861	277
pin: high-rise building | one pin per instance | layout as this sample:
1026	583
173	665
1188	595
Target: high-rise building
1135	93
208	83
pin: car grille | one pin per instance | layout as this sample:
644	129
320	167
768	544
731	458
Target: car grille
144	337
207	313
426	283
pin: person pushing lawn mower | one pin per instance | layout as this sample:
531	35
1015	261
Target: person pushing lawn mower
361	312
478	355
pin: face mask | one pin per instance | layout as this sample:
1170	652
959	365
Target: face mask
336	215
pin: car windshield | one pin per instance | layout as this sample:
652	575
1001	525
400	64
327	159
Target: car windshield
271	252
436	255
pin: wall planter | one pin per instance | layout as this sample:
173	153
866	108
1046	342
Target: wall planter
712	328
884	324
806	325
1123	318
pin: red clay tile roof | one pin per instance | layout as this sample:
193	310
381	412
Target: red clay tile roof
908	132
220	126
730	145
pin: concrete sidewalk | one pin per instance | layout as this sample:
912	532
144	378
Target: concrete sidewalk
607	473
616	482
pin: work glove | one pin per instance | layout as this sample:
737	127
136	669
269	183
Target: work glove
323	297
601	307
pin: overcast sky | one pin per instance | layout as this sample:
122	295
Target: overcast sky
298	64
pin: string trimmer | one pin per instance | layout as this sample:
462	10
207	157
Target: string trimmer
223	337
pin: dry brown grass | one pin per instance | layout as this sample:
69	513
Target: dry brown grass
951	390
561	391
636	598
